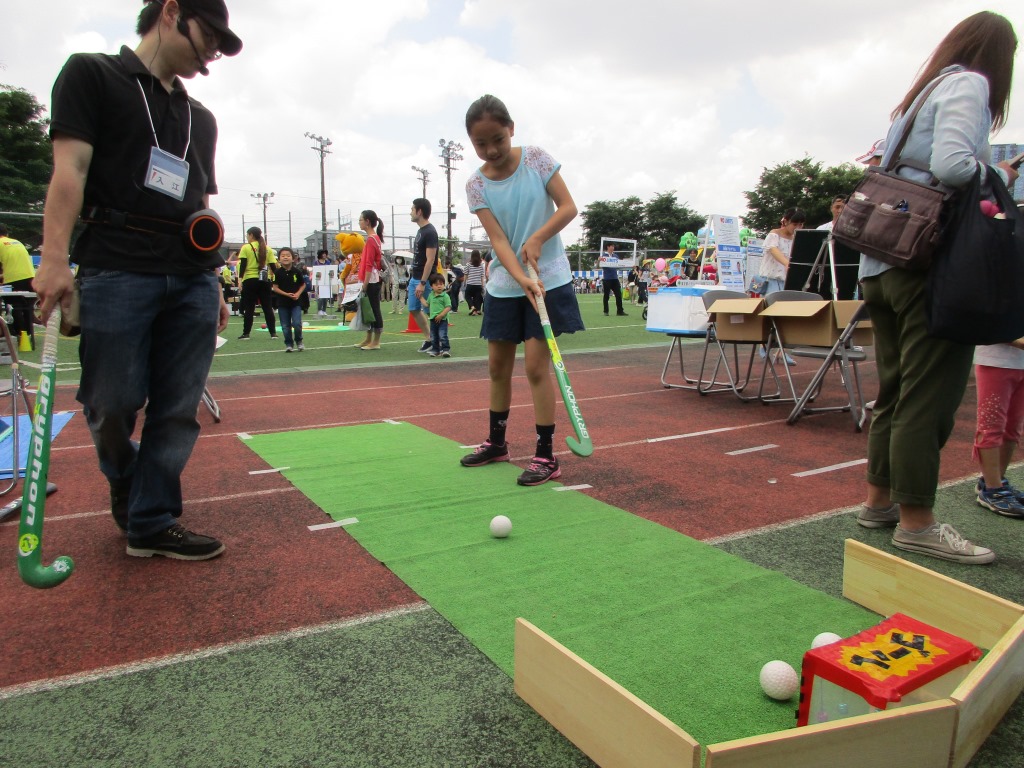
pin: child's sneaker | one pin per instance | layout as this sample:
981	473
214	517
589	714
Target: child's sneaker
425	346
540	471
944	542
287	347
485	453
300	347
432	353
1003	501
446	353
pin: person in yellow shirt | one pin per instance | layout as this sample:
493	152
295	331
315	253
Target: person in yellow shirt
18	273
257	265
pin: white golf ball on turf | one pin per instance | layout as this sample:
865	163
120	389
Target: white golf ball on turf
779	680
501	527
825	638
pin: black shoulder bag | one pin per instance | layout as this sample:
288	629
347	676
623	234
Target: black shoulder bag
975	284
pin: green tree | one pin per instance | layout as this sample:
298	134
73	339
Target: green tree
666	220
25	160
613	218
800	183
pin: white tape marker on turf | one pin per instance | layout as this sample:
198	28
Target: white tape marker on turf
268	471
338	524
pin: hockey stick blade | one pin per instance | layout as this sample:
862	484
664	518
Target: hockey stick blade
33	502
581	445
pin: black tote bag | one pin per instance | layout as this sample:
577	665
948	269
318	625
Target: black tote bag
976	283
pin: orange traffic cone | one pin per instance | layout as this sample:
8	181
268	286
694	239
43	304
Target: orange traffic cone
413	326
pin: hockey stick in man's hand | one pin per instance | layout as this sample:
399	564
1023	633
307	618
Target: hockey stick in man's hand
581	445
30	532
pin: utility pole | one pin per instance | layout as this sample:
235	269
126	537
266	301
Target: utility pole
424	174
264	197
450	155
321	147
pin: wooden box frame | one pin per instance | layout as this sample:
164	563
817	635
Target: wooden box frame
615	728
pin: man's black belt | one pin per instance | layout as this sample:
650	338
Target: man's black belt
108	217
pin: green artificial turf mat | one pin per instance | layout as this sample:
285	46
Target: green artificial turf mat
684	626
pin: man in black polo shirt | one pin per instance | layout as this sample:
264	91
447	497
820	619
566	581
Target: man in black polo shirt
134	155
424	262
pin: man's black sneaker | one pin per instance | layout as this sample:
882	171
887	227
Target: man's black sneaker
426	346
244	337
176	542
485	453
621	314
540	471
119	492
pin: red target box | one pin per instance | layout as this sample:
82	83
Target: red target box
896	663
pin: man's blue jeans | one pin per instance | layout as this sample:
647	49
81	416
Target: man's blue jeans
147	341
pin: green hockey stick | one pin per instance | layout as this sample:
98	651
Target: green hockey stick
581	445
30	531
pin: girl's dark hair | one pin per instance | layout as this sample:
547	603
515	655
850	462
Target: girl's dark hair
488	105
148	16
475	259
794	215
984	43
257	233
375	222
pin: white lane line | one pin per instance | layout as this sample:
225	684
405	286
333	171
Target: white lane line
191	502
573	487
711	431
752	450
274	471
336	524
833	468
122	670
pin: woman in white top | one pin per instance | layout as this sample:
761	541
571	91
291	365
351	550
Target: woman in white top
777	247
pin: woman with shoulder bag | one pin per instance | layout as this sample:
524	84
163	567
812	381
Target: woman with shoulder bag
369	275
921	378
257	265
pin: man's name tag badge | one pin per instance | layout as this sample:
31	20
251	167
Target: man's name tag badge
167	174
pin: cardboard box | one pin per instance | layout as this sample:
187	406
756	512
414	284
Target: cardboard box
817	323
740	320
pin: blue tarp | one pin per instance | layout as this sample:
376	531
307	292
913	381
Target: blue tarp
60	419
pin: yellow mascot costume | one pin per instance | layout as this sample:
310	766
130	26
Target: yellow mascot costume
351	244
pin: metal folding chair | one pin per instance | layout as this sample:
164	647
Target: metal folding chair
733	383
845	357
777	344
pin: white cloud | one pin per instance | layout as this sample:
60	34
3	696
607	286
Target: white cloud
633	99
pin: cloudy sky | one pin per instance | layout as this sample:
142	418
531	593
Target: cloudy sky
633	98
